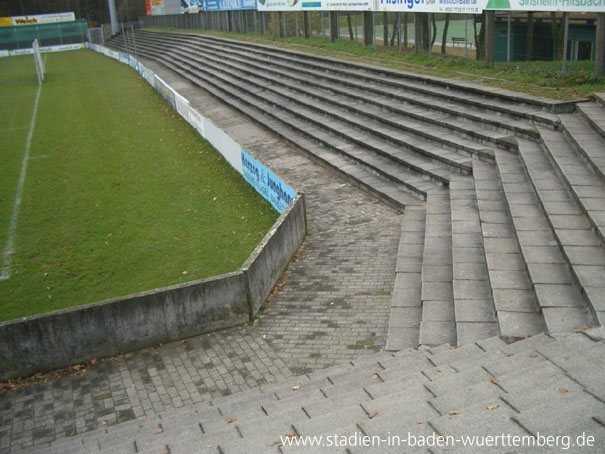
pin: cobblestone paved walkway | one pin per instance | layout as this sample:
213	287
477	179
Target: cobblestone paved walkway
333	307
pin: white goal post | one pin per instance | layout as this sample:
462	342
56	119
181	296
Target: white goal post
38	60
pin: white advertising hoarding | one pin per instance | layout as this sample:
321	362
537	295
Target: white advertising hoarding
314	5
182	106
37	19
583	6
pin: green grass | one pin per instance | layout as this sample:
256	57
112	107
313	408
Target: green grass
121	194
535	78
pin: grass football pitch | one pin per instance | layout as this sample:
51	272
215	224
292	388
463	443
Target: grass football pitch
117	193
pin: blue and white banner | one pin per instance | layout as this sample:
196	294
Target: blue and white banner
315	5
124	58
229	5
269	185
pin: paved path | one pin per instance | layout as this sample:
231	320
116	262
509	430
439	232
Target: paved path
333	307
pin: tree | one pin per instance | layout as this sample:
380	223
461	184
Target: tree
405	30
385	28
557	28
434	25
396	26
350	26
444	38
480	38
529	44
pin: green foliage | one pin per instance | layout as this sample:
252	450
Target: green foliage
121	194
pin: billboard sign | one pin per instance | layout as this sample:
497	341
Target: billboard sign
37	19
269	185
229	5
583	6
431	6
315	5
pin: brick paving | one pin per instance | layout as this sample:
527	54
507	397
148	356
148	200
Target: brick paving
334	307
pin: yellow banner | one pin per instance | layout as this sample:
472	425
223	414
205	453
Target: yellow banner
6	22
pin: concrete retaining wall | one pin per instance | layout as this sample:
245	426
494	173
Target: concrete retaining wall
268	261
58	339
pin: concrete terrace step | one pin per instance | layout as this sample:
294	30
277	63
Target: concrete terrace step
587	141
423	99
500	100
594	114
437	325
505	267
542	234
403	332
481	388
474	307
406	134
324	89
588	189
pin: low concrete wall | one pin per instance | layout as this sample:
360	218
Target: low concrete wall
270	258
58	339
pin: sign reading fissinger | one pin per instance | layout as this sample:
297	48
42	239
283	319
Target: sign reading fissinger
432	6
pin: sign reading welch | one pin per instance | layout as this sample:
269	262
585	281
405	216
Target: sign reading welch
266	183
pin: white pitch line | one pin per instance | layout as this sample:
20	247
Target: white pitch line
12	228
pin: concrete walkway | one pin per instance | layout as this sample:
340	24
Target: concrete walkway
333	307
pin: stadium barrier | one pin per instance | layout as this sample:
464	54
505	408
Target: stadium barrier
107	328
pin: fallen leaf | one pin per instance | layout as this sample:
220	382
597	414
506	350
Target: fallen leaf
563	391
159	431
374	377
438	371
509	354
452	347
372	415
230	420
493	406
295	387
419	422
566	357
453	413
495	381
275	443
362	424
415	324
533	355
292	436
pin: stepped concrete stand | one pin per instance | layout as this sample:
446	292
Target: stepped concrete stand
503	193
